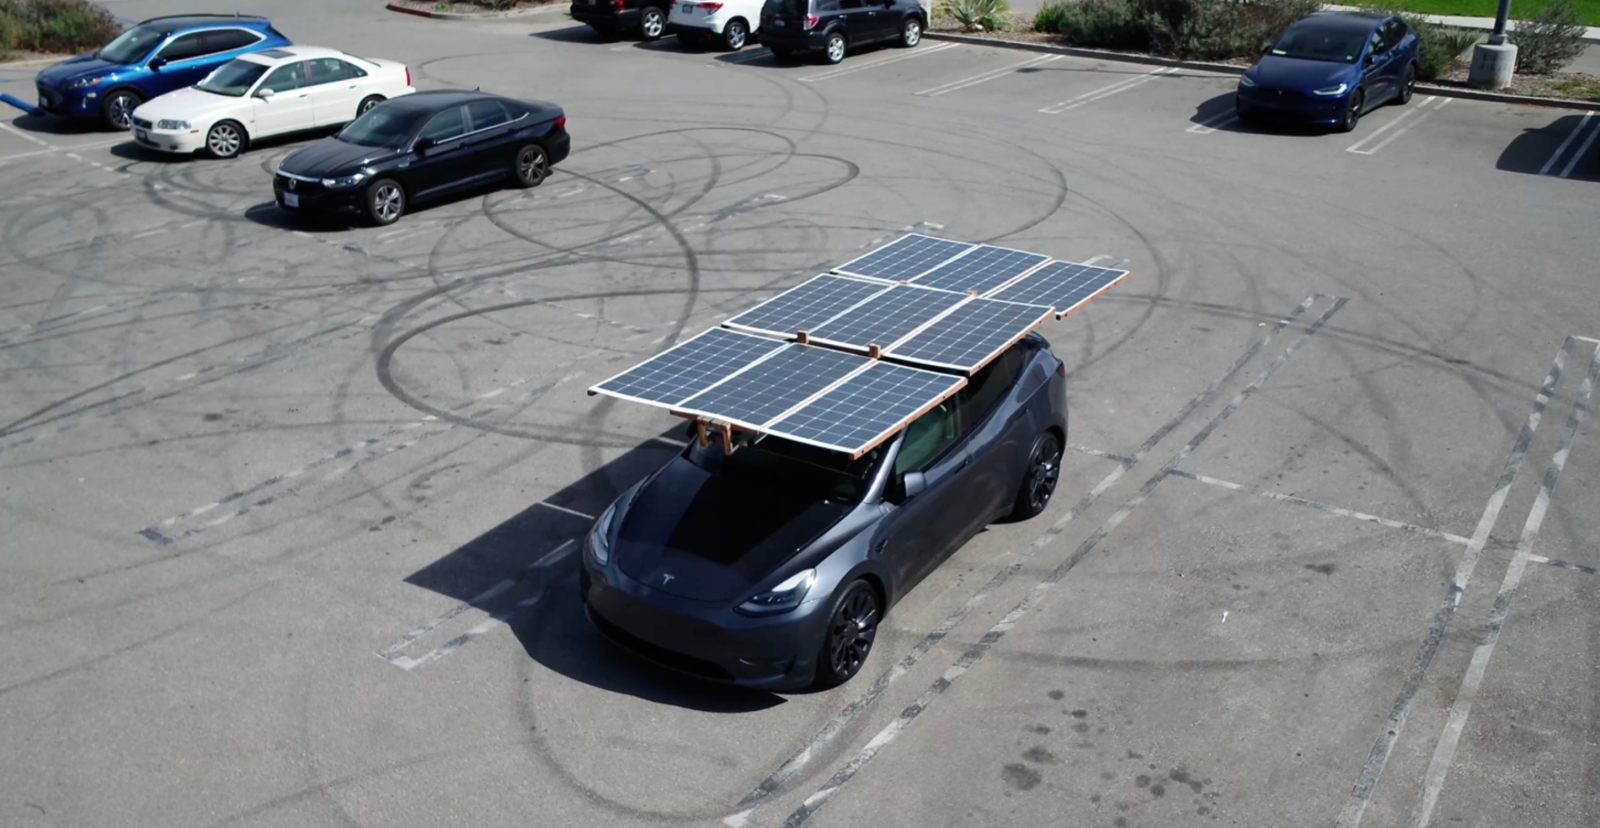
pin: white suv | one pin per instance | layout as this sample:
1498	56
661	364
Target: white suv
729	23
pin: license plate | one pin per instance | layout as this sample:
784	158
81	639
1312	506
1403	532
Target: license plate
141	135
291	200
778	23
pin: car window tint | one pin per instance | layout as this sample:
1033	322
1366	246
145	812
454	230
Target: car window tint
286	77
226	40
821	6
1375	42
851	5
185	47
444	126
485	114
927	438
328	70
986	389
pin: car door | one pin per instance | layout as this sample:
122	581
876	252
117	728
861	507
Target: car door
1395	58
439	160
997	435
1375	72
337	87
856	19
930	522
490	138
288	107
180	63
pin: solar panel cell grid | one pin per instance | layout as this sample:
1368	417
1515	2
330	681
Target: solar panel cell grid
887	317
971	334
805	306
755	397
982	270
689	368
905	257
868	406
1062	285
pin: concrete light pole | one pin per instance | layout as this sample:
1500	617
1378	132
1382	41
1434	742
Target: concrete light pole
1494	61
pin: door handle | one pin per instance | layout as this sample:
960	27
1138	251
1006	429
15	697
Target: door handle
879	545
965	462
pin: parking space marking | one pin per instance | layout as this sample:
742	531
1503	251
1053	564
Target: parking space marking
1560	564
1420	112
992	74
1361	794
26	137
812	748
1215	122
1320	506
1562	148
1107	91
1444	752
1583	149
864	66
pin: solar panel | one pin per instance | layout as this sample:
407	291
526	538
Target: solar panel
971	335
692	366
983	269
887	317
807	305
904	258
754	397
867	408
1065	286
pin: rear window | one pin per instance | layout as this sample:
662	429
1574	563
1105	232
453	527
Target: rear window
788	8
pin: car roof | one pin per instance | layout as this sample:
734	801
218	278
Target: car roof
284	54
434	99
1342	21
180	22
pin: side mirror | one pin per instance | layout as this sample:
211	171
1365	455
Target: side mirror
265	94
912	484
424	144
157	62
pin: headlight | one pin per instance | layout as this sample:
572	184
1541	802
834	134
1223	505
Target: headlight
1335	90
344	182
783	597
85	83
165	123
1246	81
600	536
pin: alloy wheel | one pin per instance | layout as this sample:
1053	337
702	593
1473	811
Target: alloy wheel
224	140
735	35
835	49
119	110
1043	473
532	166
912	34
367	105
386	202
851	632
651	23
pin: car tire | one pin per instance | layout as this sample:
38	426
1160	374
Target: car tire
1352	113
847	640
226	139
910	32
735	35
117	108
652	22
385	201
1039	478
1408	86
530	167
834	48
367	103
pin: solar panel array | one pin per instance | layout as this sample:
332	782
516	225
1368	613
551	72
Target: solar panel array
913	298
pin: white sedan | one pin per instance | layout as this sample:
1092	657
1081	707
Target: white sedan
271	92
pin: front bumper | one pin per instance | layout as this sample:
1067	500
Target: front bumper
75	103
298	195
1287	105
181	141
707	640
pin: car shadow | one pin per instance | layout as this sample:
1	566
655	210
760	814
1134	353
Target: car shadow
53	125
537	552
1555	149
132	150
578	34
1217	114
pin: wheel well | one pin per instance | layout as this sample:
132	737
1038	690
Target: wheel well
1060	435
877	586
244	132
739	18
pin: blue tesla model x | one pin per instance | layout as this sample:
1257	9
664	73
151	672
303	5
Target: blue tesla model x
1330	68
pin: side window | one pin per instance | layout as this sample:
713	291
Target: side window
927	438
185	47
820	6
1396	32
286	77
485	114
1376	42
347	70
852	5
985	391
329	70
444	126
226	40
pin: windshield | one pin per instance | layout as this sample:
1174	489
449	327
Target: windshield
1318	43
232	78
772	463
382	127
131	46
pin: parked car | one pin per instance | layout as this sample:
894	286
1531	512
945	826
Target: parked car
645	18
773	566
423	146
727	23
833	27
1330	68
261	94
152	58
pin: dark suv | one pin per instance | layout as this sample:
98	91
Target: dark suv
646	18
831	27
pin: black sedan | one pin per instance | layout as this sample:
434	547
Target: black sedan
423	146
773	566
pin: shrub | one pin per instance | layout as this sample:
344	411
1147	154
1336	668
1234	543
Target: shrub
1108	24
1439	48
1218	29
979	15
496	5
54	25
1550	40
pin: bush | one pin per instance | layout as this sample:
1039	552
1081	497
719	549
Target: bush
979	15
1439	48
1218	29
1107	24
496	5
1550	40
54	25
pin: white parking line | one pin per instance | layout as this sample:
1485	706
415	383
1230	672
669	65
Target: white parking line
990	75
1421	113
1214	123
1556	156
1107	91
1582	150
26	137
862	67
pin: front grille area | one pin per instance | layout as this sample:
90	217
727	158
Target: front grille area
143	124
662	656
48	98
295	185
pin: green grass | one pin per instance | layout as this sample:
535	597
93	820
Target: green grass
1590	9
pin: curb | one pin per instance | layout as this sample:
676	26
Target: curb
1231	69
494	15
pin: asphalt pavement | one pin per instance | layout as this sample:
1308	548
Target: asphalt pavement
290	508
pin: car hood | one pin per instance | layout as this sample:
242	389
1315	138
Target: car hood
1300	75
78	66
331	157
715	538
190	104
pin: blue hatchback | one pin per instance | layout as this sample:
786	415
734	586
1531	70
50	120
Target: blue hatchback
1330	68
150	59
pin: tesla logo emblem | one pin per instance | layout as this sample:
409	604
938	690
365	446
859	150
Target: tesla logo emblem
666	578
293	184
